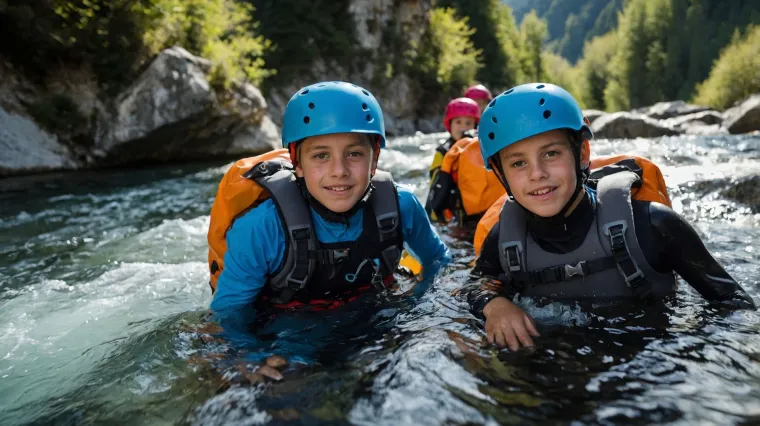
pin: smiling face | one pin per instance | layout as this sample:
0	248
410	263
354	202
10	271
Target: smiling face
459	125
541	171
336	168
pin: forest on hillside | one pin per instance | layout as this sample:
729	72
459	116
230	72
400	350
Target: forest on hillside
613	54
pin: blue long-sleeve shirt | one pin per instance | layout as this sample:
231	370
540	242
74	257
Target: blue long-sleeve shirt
256	246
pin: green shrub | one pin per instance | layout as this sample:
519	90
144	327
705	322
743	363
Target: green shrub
736	73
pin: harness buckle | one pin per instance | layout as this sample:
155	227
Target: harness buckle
512	252
578	269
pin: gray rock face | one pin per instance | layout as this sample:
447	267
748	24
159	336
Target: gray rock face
708	117
746	191
172	89
25	148
745	117
663	110
397	94
700	123
171	112
626	125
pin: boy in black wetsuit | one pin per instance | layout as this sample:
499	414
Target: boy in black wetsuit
561	240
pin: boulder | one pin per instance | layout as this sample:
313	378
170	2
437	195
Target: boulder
663	110
708	117
626	125
171	113
745	191
700	123
25	148
745	116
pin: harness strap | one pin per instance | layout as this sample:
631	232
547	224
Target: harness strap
627	266
561	273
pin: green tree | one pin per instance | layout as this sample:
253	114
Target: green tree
115	38
497	36
557	70
457	58
532	33
594	70
736	73
446	60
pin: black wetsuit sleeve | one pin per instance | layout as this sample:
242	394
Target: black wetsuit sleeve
680	249
487	280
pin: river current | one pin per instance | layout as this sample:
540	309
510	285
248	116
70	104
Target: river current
104	295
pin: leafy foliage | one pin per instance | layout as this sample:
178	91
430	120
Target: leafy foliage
660	50
497	36
736	73
116	37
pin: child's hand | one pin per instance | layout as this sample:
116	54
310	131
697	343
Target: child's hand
507	324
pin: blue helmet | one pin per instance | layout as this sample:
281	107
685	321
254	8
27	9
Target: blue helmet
332	107
525	111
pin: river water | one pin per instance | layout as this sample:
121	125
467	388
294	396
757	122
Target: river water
103	297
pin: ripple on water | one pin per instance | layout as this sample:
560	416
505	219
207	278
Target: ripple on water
103	276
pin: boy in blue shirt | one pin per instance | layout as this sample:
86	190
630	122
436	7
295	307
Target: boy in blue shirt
334	227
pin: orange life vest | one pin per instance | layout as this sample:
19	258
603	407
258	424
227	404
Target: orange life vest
478	188
652	188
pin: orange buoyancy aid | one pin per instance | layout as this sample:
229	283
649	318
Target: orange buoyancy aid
476	187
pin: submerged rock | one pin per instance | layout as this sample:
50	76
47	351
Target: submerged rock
744	117
745	191
626	125
663	110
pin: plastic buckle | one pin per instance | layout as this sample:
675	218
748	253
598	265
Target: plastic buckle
337	255
616	228
636	276
295	284
516	246
571	271
300	234
387	222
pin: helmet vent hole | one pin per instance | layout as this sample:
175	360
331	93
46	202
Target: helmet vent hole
509	91
365	107
311	105
365	92
306	120
369	118
542	101
322	85
491	136
540	86
494	120
547	114
305	91
492	103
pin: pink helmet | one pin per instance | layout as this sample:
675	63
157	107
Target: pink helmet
478	91
461	107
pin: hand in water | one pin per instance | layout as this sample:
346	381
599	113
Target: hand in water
255	373
507	324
